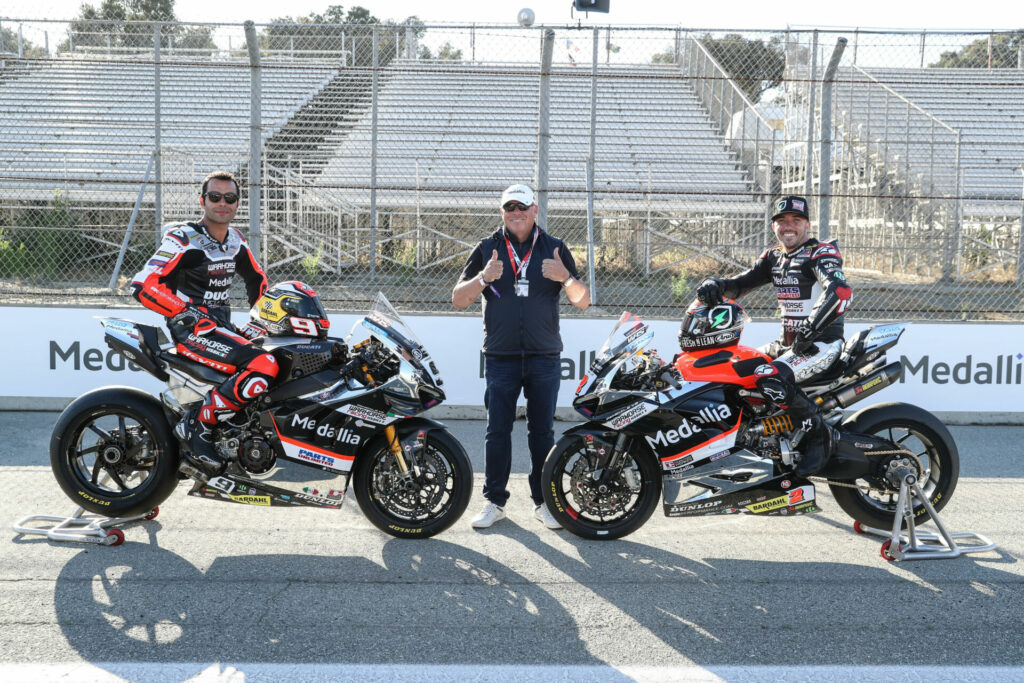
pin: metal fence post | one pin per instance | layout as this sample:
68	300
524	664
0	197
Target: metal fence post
809	162
21	44
255	138
825	185
158	182
923	33
1020	237
544	127
591	163
373	153
131	224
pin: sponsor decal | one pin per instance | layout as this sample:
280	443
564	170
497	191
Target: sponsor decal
867	385
317	500
327	431
711	414
630	415
367	414
719	456
799	205
685	430
156	263
694	507
221	484
636	333
764	370
786	483
788	292
93	499
164	254
252	500
222	282
787	280
679	462
773	504
210	345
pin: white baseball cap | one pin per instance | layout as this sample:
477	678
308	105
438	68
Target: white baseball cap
518	193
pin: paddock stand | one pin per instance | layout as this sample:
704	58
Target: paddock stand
915	545
81	527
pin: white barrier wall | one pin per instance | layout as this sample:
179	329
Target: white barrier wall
974	368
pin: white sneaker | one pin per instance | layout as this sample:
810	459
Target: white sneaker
544	515
488	516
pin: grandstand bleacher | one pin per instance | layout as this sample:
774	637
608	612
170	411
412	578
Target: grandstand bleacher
472	128
87	125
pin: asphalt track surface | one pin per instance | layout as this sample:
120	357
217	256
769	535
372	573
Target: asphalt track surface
215	592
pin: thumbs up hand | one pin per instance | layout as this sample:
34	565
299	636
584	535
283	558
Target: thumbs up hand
553	268
493	268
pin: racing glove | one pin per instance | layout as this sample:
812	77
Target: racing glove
252	331
193	319
803	344
709	291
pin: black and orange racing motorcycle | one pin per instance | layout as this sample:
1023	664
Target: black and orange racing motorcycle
700	436
352	414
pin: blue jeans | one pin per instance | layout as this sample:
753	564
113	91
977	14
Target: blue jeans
538	378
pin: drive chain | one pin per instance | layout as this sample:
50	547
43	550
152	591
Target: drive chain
869	489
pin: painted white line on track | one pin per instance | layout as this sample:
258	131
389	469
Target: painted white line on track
257	672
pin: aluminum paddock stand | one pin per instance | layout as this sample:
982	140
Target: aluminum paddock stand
81	527
915	545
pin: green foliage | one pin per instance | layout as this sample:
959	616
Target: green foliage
446	51
112	16
310	264
680	288
975	54
319	33
668	56
39	246
9	43
754	65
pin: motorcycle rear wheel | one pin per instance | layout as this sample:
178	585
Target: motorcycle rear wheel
922	434
432	504
113	454
593	514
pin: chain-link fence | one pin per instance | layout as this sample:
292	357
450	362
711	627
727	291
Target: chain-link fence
380	152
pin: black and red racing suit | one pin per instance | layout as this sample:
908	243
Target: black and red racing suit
192	269
810	286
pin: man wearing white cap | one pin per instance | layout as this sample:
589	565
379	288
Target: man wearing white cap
521	271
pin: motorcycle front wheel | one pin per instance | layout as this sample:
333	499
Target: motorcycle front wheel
599	510
932	453
418	504
112	452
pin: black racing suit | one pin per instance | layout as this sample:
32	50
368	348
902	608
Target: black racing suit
813	297
191	270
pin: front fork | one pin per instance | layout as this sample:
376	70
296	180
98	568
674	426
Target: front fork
608	464
407	473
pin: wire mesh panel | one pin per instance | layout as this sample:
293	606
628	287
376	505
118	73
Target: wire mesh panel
382	151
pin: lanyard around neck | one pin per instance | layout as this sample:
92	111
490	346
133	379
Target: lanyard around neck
519	265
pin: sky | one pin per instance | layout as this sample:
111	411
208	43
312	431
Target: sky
737	14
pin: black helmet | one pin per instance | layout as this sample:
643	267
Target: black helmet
291	308
712	327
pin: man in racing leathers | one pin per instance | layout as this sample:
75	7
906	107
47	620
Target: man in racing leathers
188	280
813	296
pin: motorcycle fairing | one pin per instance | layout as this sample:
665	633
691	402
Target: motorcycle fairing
691	427
313	434
233	488
731	365
783	495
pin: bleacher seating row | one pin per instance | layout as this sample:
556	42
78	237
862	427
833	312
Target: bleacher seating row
469	127
71	122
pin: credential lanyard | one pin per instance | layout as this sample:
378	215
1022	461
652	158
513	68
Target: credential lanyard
519	266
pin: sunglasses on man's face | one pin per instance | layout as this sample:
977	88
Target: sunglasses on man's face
215	197
515	206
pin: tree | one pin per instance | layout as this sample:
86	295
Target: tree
129	24
318	34
446	51
752	64
9	44
1005	48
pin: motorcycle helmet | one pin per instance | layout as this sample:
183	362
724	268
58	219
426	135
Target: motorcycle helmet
712	327
291	308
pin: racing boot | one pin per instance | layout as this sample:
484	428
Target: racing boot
198	437
818	444
777	384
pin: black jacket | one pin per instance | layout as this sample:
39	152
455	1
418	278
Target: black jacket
515	325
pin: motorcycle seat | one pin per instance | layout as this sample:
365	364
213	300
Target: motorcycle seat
201	372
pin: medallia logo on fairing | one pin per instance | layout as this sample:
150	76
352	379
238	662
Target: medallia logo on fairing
685	430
